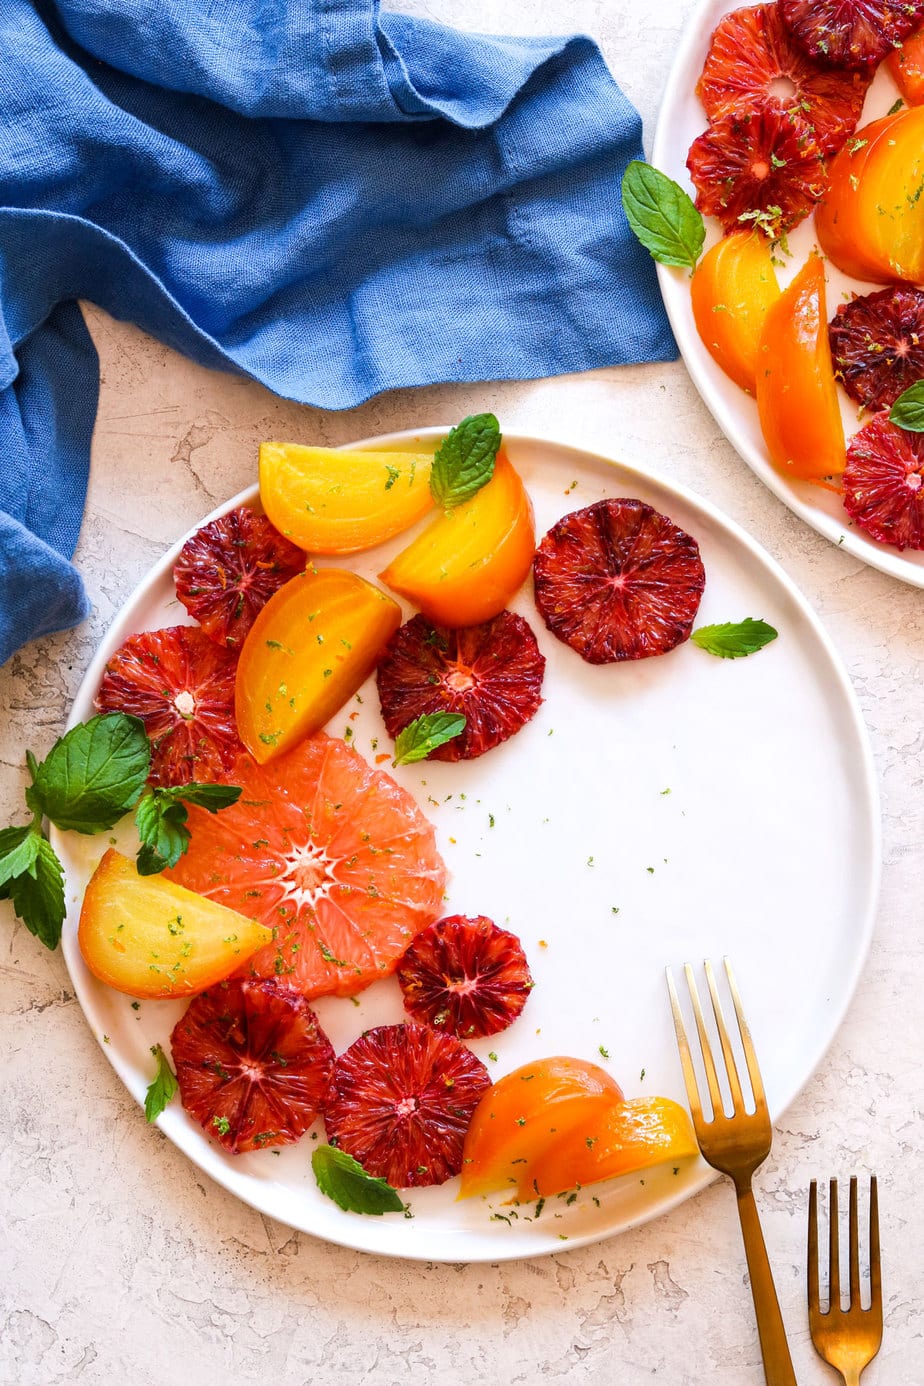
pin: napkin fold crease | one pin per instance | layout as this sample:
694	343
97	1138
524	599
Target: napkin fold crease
327	199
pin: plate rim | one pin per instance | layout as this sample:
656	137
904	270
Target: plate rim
869	804
699	364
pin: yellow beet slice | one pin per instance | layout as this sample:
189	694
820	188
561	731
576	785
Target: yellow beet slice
328	501
313	644
148	937
468	563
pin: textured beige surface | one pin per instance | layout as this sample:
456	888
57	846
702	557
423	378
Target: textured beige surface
119	1262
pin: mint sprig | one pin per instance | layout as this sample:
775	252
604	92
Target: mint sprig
464	462
425	734
908	410
734	639
662	215
162	1087
161	816
90	778
344	1180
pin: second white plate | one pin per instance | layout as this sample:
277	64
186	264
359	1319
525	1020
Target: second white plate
680	120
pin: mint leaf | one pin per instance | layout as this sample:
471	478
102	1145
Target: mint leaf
38	894
734	639
465	460
424	734
341	1178
93	773
662	215
161	818
18	850
908	409
162	1087
208	796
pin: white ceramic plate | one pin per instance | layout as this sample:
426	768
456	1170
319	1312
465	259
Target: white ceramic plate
680	120
653	812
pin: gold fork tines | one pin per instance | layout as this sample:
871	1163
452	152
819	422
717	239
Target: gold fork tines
735	1145
848	1339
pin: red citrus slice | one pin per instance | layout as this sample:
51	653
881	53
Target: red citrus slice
854	34
877	344
465	977
252	1063
181	685
400	1102
491	674
762	167
884	483
754	61
332	854
228	570
618	580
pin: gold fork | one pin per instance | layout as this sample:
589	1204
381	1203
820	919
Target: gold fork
736	1145
847	1339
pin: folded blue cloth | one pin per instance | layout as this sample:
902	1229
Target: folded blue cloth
332	201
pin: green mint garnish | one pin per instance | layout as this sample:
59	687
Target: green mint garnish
425	734
662	215
464	462
94	773
161	820
162	1087
344	1180
908	410
734	639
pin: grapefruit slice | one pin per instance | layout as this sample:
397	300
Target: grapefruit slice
334	855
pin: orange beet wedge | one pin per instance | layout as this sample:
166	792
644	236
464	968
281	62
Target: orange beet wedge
630	1136
906	65
149	937
468	562
733	286
841	221
307	652
328	501
525	1112
796	394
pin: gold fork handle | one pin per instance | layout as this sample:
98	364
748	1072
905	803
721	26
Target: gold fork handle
773	1345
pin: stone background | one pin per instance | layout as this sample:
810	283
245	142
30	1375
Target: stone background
120	1263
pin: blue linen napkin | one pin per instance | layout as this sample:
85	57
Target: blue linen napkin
327	199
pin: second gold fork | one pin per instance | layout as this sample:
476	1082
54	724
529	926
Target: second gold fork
736	1145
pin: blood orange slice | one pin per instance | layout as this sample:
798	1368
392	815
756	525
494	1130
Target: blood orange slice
854	34
884	483
877	344
181	685
465	977
491	674
228	570
618	580
252	1062
753	61
400	1102
761	166
334	855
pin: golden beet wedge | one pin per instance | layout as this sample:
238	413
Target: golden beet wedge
313	644
797	400
468	563
148	937
628	1137
733	286
527	1111
328	501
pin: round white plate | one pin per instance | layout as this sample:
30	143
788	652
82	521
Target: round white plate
680	120
652	812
